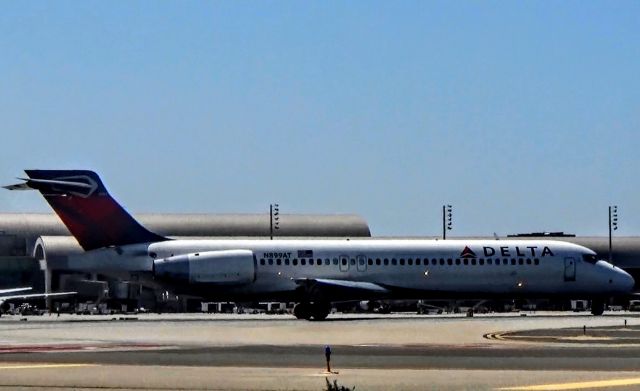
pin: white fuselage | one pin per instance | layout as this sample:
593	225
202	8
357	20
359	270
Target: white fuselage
433	267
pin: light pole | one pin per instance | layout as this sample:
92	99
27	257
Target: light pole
274	218
447	220
613	226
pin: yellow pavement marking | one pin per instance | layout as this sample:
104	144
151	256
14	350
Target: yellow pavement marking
36	366
578	385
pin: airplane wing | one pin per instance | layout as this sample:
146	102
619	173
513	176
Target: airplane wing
35	296
13	290
336	290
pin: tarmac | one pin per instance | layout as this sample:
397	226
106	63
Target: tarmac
517	351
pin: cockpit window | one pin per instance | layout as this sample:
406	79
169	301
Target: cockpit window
589	258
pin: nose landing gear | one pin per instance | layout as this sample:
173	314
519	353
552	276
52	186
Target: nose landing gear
597	307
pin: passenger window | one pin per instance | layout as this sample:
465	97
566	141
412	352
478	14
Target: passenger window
262	261
481	261
270	261
303	262
528	261
442	261
513	261
505	261
353	261
327	262
409	261
434	261
370	261
473	261
344	261
402	261
279	262
378	261
466	261
489	261
295	262
286	262
457	261
521	261
536	261
361	261
335	261
449	261
386	261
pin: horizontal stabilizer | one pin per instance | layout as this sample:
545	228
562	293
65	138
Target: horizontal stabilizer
18	186
43	184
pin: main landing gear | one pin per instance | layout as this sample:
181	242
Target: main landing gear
311	311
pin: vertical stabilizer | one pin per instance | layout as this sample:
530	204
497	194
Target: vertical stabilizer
84	205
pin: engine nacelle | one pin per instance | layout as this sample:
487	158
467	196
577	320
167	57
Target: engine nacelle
225	267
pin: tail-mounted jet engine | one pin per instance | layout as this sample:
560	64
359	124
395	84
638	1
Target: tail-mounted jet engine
225	267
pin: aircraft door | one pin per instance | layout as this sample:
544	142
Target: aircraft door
569	269
361	261
344	263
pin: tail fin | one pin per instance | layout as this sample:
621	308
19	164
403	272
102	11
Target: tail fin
83	204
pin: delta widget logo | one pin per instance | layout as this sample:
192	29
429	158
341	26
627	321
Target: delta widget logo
467	253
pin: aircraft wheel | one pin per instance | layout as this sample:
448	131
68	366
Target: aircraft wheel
302	311
597	307
320	311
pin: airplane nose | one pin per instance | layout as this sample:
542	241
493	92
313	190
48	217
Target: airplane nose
625	281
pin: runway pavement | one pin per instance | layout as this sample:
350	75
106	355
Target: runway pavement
262	352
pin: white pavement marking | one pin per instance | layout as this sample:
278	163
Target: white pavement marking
39	366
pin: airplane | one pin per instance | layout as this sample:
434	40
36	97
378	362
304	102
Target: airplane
314	272
4	297
13	290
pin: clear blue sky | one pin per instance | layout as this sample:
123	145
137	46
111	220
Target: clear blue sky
524	115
